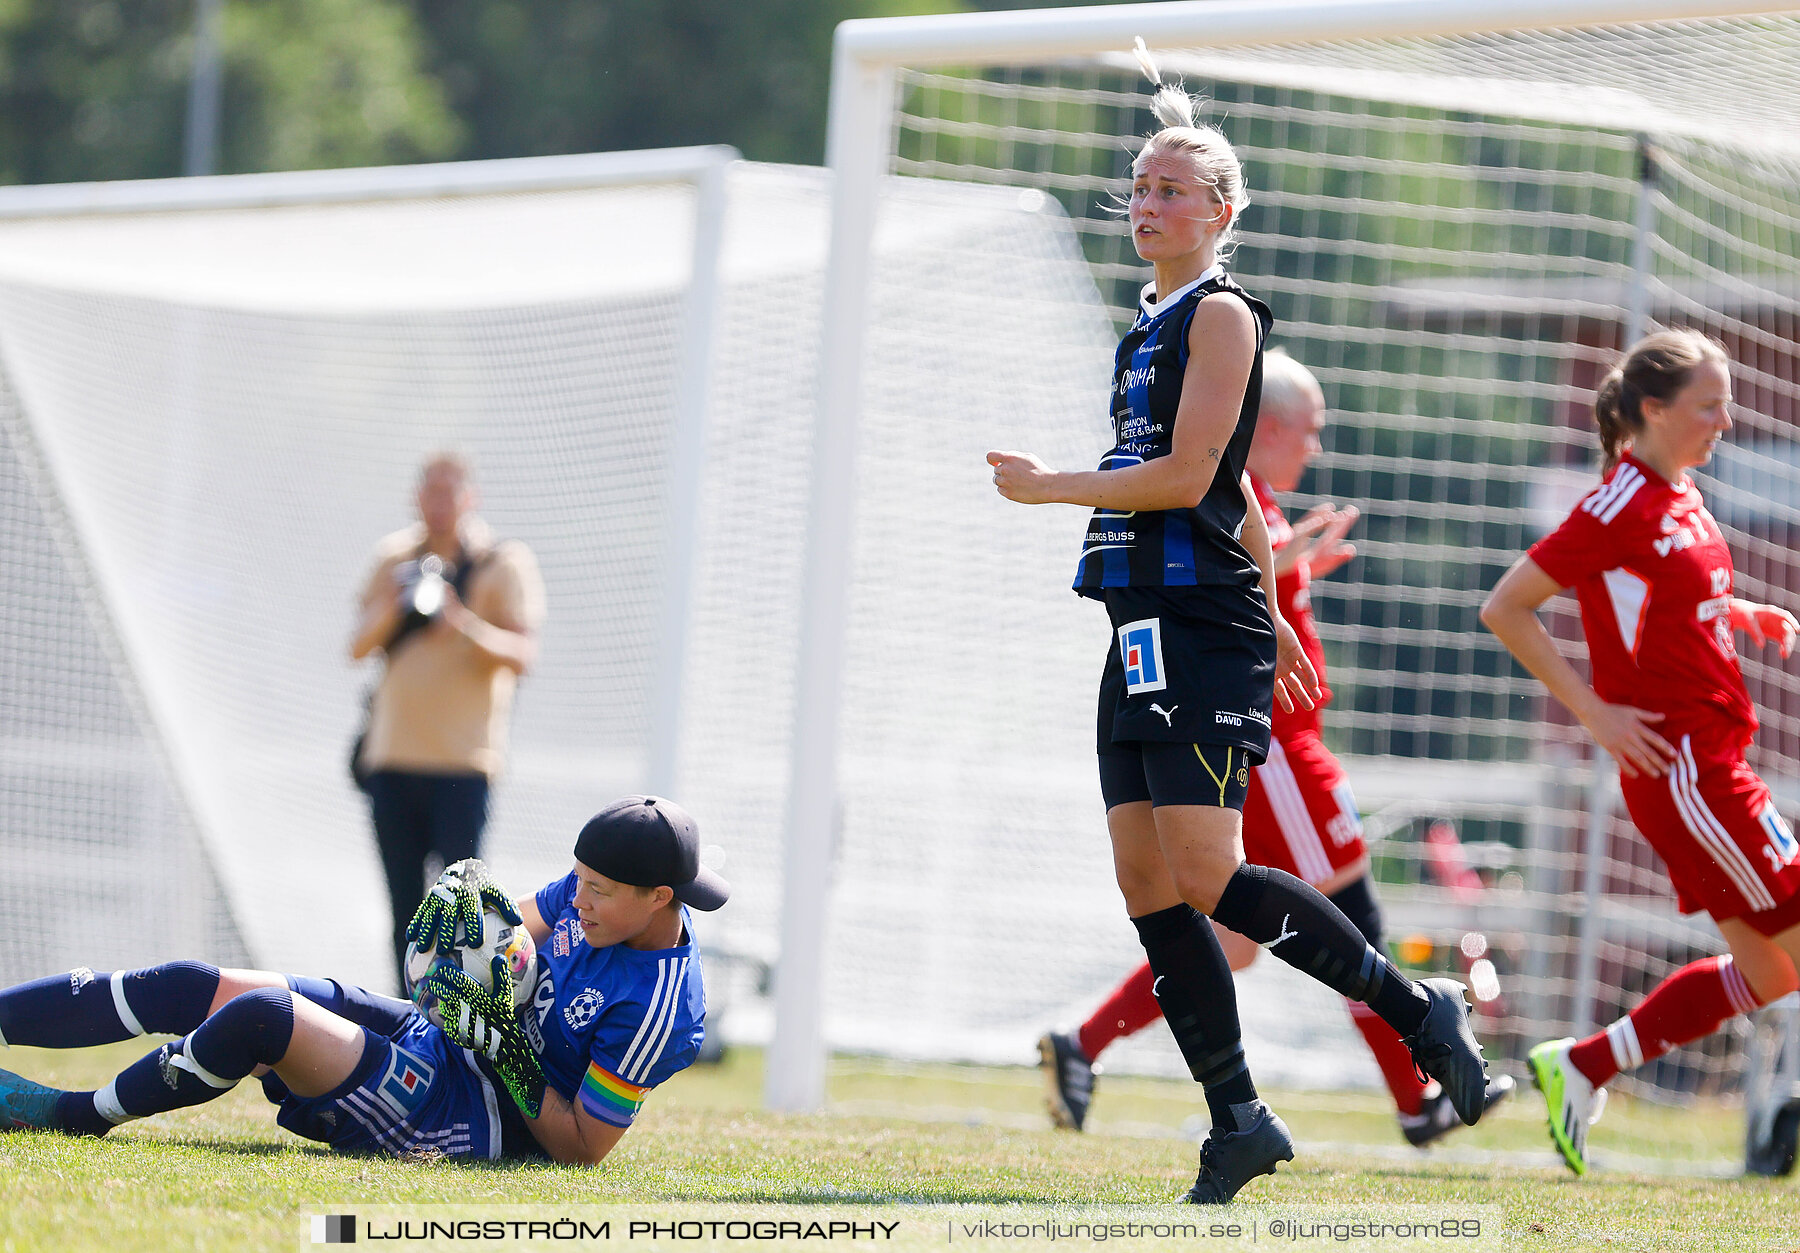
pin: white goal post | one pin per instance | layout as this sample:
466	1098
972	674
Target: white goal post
868	60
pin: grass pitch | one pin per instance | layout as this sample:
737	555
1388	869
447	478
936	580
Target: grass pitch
222	1176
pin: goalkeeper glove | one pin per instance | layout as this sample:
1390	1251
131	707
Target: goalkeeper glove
487	1023
458	897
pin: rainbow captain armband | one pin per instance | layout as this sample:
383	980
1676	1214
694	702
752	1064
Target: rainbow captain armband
608	1097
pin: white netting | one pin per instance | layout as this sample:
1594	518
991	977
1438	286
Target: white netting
231	405
1446	230
101	857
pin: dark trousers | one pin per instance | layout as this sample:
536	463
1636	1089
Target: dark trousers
423	822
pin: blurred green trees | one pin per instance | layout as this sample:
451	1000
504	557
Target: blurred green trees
600	75
97	89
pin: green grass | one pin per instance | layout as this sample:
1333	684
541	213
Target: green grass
224	1177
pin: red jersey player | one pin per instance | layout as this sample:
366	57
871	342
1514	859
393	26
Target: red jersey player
1653	576
1299	815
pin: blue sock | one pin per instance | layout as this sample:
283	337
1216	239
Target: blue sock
251	1030
381	1014
326	992
81	1008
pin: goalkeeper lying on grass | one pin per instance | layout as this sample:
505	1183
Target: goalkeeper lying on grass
618	1008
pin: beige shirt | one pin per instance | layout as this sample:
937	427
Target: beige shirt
442	704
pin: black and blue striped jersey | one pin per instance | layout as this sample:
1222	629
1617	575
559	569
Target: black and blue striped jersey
1171	547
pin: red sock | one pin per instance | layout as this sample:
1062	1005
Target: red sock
1693	1002
1131	1007
1394	1058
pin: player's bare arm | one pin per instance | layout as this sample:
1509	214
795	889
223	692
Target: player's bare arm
1765	624
1625	732
1295	681
533	920
571	1135
1318	541
1222	346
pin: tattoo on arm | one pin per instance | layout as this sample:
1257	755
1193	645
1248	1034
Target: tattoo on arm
1213	453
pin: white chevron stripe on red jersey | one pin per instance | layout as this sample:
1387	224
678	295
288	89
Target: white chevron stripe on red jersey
1606	502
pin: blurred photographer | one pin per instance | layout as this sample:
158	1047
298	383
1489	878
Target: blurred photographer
455	614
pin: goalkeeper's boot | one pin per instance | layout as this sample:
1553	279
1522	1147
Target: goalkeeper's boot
1444	1048
1068	1078
1437	1117
26	1104
1229	1160
1573	1102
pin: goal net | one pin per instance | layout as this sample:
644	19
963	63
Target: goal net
1458	230
216	397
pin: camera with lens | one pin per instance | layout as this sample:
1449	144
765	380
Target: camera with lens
423	585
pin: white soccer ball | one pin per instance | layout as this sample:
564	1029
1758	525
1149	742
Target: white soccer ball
499	939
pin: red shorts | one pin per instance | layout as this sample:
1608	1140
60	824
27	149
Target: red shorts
1715	826
1300	815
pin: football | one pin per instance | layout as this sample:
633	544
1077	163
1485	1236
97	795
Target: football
499	939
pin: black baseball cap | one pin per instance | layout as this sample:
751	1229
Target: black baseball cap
650	842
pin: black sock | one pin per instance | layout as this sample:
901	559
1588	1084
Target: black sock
1304	929
1199	1002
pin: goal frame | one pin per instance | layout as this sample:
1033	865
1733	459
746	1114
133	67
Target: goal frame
866	55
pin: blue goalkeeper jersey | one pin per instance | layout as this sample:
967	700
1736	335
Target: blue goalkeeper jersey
614	1021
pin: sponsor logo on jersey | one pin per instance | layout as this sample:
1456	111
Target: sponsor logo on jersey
545	997
1679	535
1136	431
1141	376
581	1011
568	935
79	978
1238	720
1140	648
1716	607
407	1080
